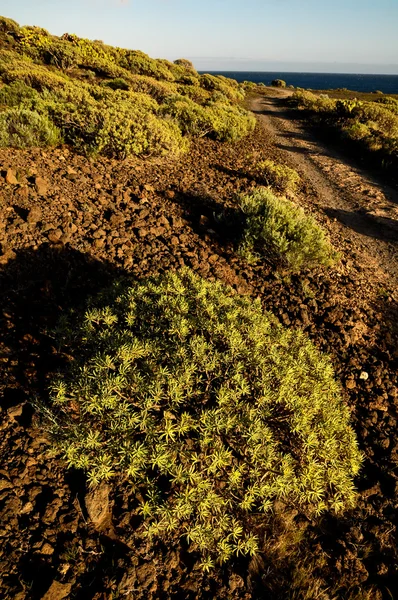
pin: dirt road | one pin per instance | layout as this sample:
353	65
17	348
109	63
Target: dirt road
364	211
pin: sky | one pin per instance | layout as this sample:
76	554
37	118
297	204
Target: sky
352	36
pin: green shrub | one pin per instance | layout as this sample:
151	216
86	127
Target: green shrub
195	93
278	83
230	123
249	85
8	25
117	84
20	128
280	177
187	64
17	94
309	101
192	118
356	131
277	228
123	124
209	408
381	117
218	83
159	90
390	103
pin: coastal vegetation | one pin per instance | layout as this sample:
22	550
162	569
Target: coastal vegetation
190	356
210	409
107	100
371	126
278	228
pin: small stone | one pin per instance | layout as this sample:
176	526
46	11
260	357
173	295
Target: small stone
55	235
27	508
170	194
57	591
47	549
41	186
15	411
157	231
97	504
203	221
34	214
71	228
350	384
11	177
364	375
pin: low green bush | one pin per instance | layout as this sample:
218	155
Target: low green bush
20	128
278	229
8	25
280	177
187	64
192	118
106	99
123	125
372	126
211	410
278	83
117	84
17	94
159	90
230	123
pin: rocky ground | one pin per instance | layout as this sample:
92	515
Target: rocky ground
68	225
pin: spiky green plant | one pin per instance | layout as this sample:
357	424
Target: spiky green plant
279	229
208	407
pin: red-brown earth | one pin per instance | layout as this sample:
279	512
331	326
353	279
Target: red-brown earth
68	226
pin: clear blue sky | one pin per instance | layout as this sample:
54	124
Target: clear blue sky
333	35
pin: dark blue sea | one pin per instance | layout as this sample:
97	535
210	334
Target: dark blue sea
388	84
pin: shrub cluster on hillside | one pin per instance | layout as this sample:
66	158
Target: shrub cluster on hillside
371	125
208	407
110	100
279	229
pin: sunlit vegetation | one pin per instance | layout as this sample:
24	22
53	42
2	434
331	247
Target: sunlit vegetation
112	101
372	125
282	178
211	410
278	229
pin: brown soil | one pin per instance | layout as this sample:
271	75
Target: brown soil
68	226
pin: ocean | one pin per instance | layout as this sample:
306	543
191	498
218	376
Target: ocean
388	84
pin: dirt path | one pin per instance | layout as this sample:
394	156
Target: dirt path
364	211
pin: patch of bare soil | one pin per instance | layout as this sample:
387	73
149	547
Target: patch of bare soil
68	226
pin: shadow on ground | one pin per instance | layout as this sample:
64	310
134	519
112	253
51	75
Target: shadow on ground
37	287
380	228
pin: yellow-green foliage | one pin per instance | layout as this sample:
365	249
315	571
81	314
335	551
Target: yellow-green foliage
14	67
374	125
21	128
209	408
221	121
279	176
278	83
79	85
230	123
228	87
279	229
312	102
192	118
389	102
159	90
8	25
